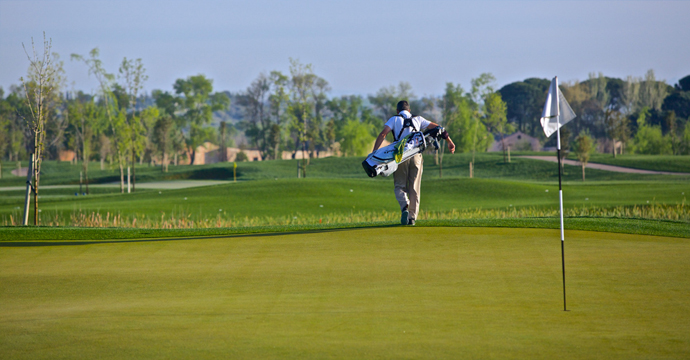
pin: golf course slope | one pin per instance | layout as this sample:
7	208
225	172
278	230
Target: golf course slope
435	292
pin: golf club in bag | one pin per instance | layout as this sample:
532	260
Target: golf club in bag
383	161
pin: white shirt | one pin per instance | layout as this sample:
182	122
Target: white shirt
395	123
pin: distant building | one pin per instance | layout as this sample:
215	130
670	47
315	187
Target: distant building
66	155
516	142
209	153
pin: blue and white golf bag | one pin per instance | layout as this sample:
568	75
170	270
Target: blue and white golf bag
382	161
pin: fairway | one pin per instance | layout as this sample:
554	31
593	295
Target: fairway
363	293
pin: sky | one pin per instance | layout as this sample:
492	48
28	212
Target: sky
357	46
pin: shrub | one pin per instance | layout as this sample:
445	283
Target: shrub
241	156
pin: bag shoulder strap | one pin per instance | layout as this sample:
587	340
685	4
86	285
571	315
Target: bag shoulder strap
406	123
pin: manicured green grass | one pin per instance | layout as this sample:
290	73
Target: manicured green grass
295	197
672	163
492	166
16	197
487	165
364	293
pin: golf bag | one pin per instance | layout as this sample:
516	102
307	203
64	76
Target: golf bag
383	161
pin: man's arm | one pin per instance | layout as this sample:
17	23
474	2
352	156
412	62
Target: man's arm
451	145
379	139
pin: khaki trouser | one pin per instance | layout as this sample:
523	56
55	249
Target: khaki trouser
408	179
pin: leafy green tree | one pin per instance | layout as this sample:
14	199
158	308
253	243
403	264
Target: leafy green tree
302	78
345	112
84	118
460	116
315	136
653	92
617	128
116	119
305	87
357	138
386	99
672	135
6	111
615	87
4	128
496	120
683	84
133	75
167	105
679	103
13	111
162	138
524	101
685	140
165	102
598	89
565	145
481	88
630	99
144	130
198	102
278	102
649	138
583	147
255	100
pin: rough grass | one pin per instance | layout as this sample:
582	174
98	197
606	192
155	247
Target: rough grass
679	213
442	293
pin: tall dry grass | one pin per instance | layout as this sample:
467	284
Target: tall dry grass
679	212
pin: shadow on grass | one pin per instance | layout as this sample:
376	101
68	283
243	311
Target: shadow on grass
219	236
46	236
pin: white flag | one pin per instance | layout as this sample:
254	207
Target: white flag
557	111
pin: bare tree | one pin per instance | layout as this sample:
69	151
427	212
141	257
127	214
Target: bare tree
39	88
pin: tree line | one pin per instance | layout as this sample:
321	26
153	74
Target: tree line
638	114
120	125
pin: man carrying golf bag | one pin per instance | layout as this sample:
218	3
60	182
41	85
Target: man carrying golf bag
408	176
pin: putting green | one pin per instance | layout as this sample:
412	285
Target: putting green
366	293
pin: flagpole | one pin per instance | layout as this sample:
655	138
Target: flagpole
560	188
